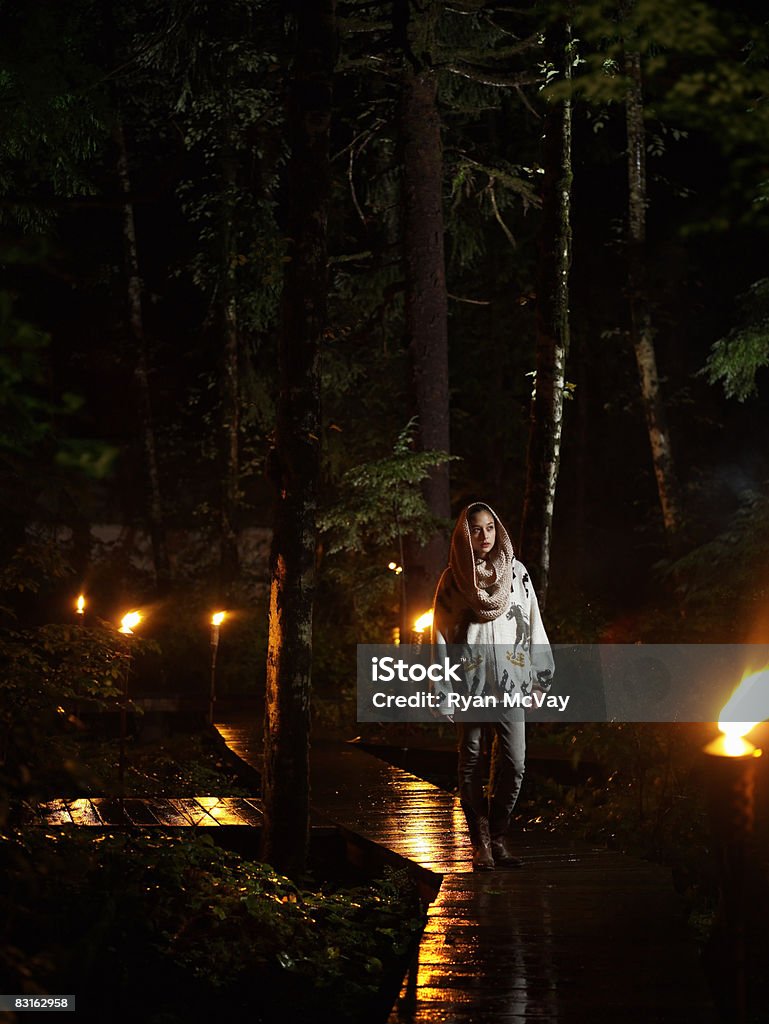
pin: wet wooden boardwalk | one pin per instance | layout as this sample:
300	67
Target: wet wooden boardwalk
579	934
148	812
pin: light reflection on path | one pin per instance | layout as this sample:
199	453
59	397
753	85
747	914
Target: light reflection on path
578	935
480	959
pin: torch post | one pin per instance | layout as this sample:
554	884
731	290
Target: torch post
123	724
216	620
80	615
127	625
730	786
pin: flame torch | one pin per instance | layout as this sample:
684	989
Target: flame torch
216	620
731	780
128	624
421	625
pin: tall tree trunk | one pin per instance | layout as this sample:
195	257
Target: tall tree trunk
426	311
297	455
641	328
581	464
552	322
230	400
229	560
141	373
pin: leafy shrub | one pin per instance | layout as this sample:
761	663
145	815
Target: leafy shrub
43	669
95	911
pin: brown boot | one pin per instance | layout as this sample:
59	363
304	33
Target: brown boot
478	827
483	858
502	854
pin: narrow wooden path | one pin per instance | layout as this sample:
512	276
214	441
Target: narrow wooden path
578	935
148	812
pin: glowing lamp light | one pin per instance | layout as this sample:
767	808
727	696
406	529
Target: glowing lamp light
80	605
730	787
129	622
423	622
749	701
216	620
397	569
731	742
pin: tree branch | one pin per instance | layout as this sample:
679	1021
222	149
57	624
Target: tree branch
79	201
498	215
472	302
525	100
535	39
495	174
358	26
369	63
484	7
488	77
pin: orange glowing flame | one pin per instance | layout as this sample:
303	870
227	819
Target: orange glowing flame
423	622
80	606
749	700
732	744
218	618
129	622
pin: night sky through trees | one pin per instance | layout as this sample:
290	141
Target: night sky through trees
199	93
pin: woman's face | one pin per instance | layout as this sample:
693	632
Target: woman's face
483	532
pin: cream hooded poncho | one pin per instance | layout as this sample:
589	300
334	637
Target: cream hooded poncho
488	609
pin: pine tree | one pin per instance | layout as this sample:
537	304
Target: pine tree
296	462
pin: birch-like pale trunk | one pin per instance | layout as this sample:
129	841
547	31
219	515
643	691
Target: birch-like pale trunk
155	515
552	325
641	326
426	305
296	460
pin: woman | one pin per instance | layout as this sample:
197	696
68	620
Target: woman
485	604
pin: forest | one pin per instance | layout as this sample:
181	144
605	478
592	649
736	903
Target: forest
287	285
146	200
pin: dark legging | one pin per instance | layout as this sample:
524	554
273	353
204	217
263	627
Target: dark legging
507	767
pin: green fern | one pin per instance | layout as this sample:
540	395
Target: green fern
382	500
736	359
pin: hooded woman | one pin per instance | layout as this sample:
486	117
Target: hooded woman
485	604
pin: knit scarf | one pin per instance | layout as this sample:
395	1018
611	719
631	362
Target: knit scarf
484	584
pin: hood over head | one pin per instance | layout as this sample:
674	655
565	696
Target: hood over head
484	584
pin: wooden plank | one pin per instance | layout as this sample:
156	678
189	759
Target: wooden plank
252	806
83	812
196	815
178	812
167	813
54	812
139	812
221	809
110	810
246	811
